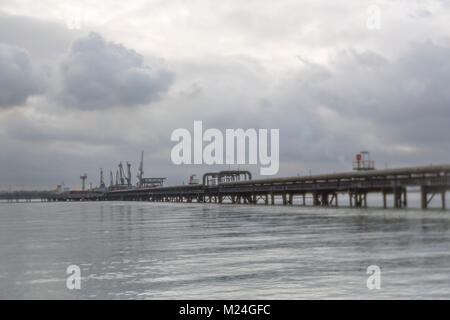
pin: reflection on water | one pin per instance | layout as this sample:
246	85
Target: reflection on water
199	251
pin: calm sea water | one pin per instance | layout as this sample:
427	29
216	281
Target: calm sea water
140	250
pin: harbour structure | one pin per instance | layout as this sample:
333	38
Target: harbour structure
140	174
111	179
238	187
121	175
83	181
193	179
325	189
123	180
147	182
363	162
216	178
102	181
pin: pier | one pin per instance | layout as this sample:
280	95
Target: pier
325	189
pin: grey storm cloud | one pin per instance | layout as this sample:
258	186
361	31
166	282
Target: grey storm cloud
312	70
406	99
98	74
18	79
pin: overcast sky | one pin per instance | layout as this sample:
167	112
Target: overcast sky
87	84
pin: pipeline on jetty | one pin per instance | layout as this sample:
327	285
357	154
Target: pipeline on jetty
325	189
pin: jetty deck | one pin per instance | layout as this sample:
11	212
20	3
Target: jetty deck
324	188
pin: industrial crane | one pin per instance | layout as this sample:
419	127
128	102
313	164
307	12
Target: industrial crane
102	182
121	174
128	177
111	178
140	174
